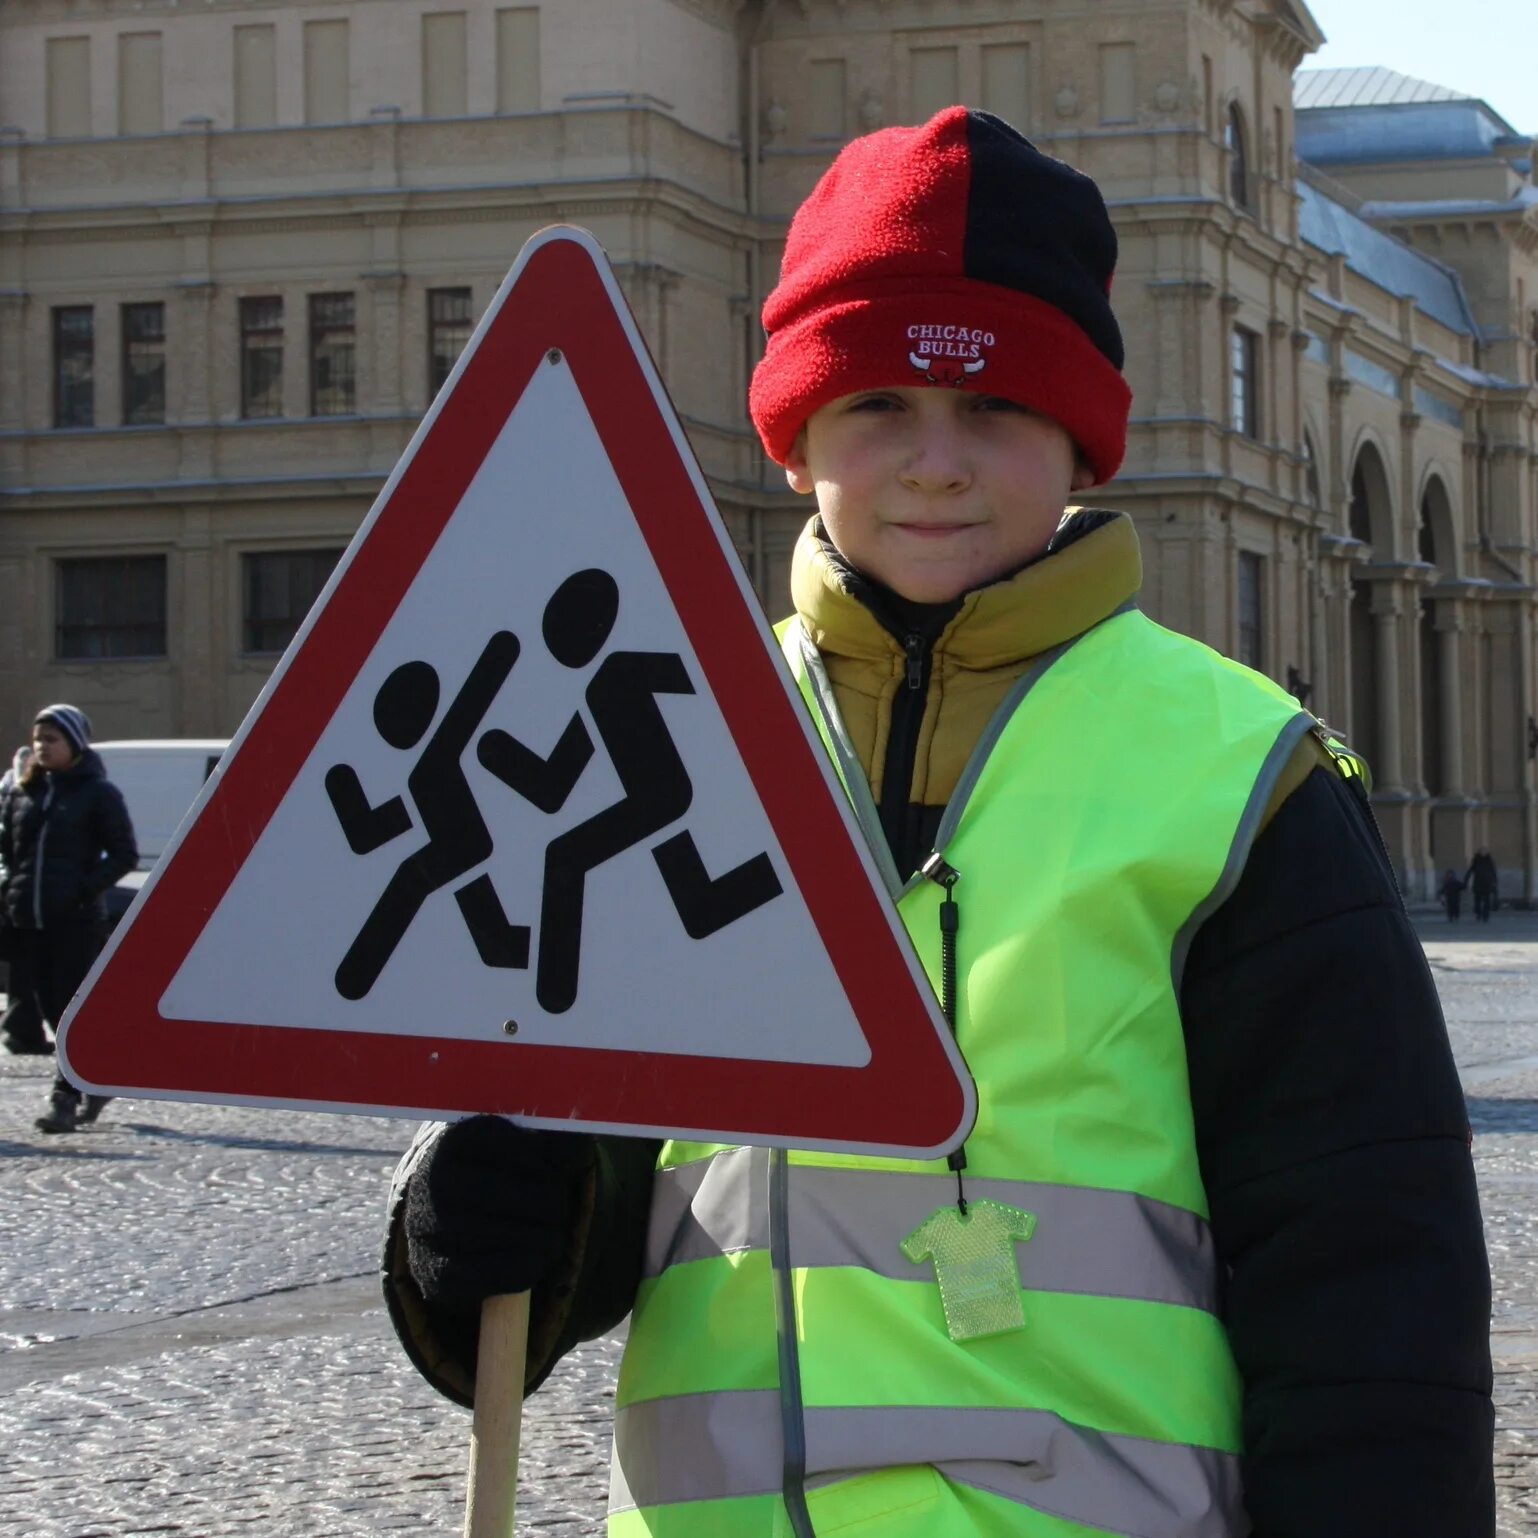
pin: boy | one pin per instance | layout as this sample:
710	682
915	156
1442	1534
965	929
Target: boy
1219	1128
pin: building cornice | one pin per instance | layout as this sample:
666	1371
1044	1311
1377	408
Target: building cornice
348	208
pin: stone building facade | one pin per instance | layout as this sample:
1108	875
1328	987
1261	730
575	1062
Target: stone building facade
241	243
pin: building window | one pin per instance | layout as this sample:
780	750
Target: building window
113	606
333	387
518	59
1252	648
1118	83
256	76
448	329
144	363
327	72
826	93
280	588
67	68
261	357
1245	368
445	66
1007	82
934	76
1234	141
74	366
140	108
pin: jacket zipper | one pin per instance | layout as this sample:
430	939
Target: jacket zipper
37	872
945	876
902	748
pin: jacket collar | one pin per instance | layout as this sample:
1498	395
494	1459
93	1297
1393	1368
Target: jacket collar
1091	568
87	766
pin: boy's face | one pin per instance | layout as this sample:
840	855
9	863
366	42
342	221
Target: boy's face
935	491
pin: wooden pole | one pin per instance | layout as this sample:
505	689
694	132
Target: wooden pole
499	1372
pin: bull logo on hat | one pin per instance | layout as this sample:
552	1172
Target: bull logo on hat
946	371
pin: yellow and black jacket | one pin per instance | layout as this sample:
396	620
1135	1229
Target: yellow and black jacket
1329	1122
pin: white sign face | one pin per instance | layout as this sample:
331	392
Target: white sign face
544	505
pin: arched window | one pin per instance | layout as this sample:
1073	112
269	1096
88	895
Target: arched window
1361	502
1371	520
1435	547
1235	141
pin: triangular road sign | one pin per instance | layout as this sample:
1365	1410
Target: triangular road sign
530	818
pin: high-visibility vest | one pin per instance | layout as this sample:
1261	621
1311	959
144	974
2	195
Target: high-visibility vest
789	1369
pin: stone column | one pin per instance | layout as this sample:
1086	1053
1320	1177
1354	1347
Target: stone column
379	366
192	404
379	345
1321	702
198	644
296	351
1388	611
13	383
384	147
1449	628
197	158
107	362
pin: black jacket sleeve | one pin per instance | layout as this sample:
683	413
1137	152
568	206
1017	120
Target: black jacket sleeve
1334	1144
115	838
590	1291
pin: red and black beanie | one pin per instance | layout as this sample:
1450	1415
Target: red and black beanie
953	254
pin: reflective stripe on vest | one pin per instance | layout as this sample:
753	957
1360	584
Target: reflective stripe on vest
1108	810
1028	1456
1087	1240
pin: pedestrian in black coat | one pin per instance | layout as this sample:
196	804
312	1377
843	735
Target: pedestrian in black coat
1451	893
21	1028
65	838
1482	876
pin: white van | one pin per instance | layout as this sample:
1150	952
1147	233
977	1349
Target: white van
160	779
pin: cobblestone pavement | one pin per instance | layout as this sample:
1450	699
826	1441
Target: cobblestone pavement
1488	978
191	1340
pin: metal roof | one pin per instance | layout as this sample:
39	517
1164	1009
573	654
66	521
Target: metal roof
1372	86
1383	260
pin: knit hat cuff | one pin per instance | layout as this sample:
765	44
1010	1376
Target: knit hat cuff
964	334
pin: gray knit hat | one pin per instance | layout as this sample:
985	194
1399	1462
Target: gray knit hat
71	720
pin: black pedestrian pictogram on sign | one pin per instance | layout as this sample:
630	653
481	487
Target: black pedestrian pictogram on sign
457	836
621	697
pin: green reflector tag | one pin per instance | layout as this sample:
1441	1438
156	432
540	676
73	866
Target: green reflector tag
975	1265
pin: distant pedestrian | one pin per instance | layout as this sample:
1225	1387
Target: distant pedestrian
1451	892
21	1027
65	838
1482	877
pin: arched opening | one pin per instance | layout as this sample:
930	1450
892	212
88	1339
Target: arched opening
1370	520
1434	547
1236	142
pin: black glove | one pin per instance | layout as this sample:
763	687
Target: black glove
491	1209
